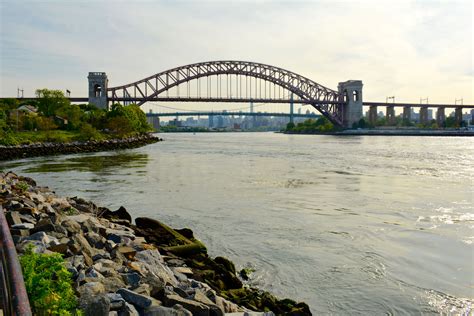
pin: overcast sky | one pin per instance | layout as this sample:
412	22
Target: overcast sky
409	49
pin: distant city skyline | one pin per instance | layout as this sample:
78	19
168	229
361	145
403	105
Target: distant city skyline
406	49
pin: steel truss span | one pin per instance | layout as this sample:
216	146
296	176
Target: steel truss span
325	100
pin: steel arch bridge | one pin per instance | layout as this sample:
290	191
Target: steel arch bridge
155	88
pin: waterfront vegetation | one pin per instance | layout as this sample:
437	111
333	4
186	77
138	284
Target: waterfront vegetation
52	118
398	122
321	125
48	283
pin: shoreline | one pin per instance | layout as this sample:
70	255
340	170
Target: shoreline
390	132
49	149
146	267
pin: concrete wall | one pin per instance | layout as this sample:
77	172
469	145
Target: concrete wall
352	90
98	83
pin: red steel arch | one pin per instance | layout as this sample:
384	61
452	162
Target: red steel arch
325	100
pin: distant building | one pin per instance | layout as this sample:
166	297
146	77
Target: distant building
28	109
153	121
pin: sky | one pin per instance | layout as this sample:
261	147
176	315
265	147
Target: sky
407	49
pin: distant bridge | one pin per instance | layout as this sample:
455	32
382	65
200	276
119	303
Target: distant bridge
223	113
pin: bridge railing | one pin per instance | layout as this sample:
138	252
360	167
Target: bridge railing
14	298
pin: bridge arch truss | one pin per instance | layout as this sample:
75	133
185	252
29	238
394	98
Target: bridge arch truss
327	101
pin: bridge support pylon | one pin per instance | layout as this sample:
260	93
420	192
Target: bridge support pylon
424	115
390	115
98	89
352	110
458	116
407	114
373	115
440	117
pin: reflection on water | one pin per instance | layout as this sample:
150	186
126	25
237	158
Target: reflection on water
351	225
103	163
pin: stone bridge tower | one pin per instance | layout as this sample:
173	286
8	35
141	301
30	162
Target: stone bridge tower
352	92
98	89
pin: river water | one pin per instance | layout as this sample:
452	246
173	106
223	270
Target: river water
350	225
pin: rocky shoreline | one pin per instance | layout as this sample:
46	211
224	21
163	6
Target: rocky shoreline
48	149
121	268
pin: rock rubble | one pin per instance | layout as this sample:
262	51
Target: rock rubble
119	268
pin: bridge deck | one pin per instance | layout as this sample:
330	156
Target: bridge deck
240	100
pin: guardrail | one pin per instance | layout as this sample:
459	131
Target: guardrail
14	298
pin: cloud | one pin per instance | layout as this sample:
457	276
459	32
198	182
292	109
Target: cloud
406	48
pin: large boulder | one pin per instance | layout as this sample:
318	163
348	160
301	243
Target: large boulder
139	300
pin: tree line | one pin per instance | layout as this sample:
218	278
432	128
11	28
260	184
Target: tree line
52	117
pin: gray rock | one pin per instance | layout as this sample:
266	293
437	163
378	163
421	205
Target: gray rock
42	239
116	301
71	226
83	244
20	232
13	218
227	306
215	310
92	224
77	261
112	283
92	273
131	279
196	308
115	238
80	218
180	292
91	289
136	299
251	314
95	239
110	245
176	310
23	226
97	306
151	265
25	218
101	255
128	310
143	289
81	277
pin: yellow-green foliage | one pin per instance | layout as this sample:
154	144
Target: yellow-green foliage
48	284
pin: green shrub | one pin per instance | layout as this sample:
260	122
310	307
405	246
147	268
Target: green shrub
22	186
8	139
88	132
48	284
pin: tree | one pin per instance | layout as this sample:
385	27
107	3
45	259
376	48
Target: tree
135	116
45	123
50	101
73	114
120	125
88	132
290	126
